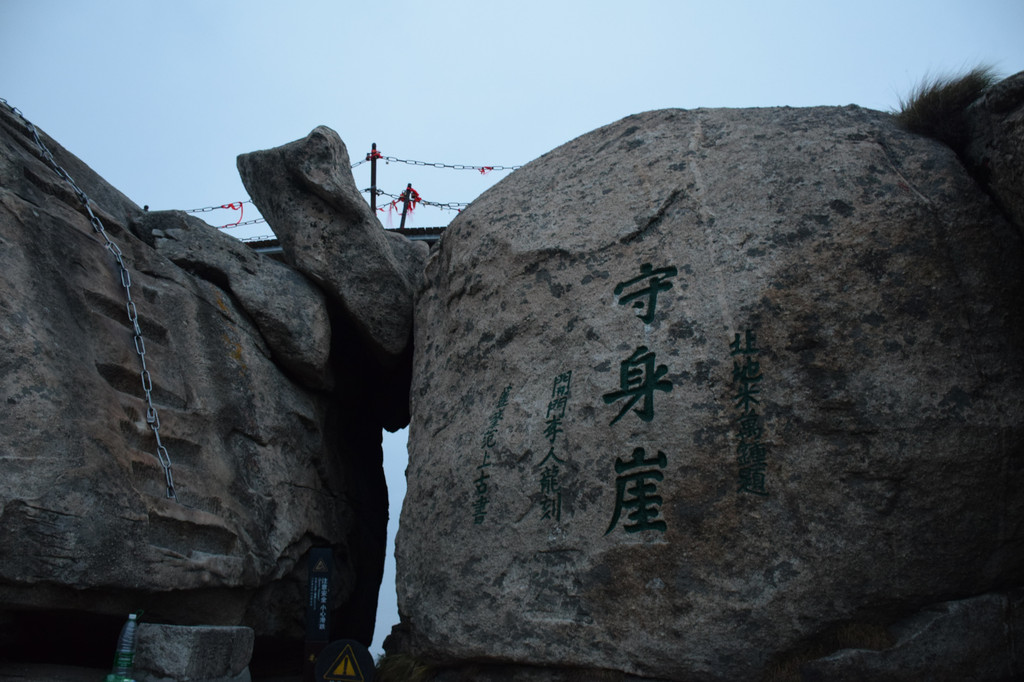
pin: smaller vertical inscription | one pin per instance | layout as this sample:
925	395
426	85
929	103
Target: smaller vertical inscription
550	485
751	452
481	476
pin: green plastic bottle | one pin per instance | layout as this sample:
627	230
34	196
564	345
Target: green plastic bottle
124	656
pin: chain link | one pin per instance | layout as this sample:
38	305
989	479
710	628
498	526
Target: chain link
235	205
434	164
451	205
254	221
454	166
152	416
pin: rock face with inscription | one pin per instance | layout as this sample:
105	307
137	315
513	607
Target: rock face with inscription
716	395
261	389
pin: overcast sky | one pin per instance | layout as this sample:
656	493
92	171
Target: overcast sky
161	97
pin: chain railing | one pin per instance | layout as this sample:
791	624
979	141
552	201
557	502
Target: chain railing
372	157
483	170
398	198
152	416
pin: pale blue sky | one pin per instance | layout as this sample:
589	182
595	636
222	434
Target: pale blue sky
160	97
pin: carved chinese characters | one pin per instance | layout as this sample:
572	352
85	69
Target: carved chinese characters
640	378
751	452
636	487
550	485
482	498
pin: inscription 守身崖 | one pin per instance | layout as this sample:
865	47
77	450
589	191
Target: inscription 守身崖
637	478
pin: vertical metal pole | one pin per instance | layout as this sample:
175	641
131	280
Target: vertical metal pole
405	204
373	178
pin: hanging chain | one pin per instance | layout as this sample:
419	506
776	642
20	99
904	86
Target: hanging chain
483	170
449	206
235	205
453	166
152	417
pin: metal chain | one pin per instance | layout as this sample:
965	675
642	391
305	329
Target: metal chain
455	166
273	237
206	209
254	221
152	416
451	205
434	164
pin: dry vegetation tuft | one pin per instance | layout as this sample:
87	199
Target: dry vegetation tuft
937	106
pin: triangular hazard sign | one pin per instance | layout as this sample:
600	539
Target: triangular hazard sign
345	668
321	567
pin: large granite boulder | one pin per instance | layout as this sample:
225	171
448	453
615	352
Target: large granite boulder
713	395
267	462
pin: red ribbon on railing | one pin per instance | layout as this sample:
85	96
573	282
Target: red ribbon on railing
486	169
237	206
374	155
413	197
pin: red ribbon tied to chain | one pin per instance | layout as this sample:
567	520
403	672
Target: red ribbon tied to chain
486	169
237	206
374	155
408	195
413	197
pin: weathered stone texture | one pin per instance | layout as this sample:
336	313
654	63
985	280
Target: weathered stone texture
877	289
289	312
237	347
995	151
972	639
175	653
307	194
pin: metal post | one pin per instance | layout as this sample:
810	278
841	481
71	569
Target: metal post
372	156
406	196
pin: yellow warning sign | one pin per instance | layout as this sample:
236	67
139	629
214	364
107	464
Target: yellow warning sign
345	668
321	567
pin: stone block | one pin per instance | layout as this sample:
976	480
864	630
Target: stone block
179	653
